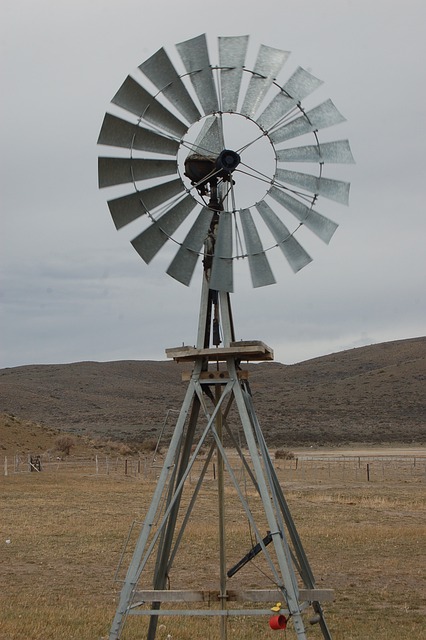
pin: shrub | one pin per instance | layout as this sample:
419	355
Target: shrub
64	444
148	445
120	448
284	454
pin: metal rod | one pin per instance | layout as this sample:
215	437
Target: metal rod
221	523
166	540
254	551
133	571
301	557
282	554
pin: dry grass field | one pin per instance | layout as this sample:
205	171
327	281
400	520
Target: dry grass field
62	531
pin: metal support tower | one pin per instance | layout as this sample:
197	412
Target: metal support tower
210	394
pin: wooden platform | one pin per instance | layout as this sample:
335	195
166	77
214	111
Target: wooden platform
246	350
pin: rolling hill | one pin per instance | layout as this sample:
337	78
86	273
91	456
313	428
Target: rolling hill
373	394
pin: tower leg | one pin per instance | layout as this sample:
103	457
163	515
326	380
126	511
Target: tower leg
166	540
303	563
266	489
135	568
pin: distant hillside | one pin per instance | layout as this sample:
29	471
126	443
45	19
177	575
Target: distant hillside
372	394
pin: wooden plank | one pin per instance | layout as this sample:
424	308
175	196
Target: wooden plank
249	595
245	350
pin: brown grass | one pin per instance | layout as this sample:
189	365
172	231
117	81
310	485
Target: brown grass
66	530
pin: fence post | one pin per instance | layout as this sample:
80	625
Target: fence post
5	465
368	472
125	467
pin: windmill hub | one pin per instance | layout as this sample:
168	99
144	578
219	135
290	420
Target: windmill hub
227	162
201	169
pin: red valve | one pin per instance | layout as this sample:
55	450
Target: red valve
278	622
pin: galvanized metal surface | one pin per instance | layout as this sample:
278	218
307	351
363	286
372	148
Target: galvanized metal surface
321	117
114	171
183	264
216	88
208	613
132	572
170	204
128	208
329	152
299	86
209	141
295	254
232	55
195	57
268	64
260	270
336	190
233	595
160	70
116	132
314	221
261	472
134	98
149	243
221	278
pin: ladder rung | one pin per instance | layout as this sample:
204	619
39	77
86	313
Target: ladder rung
249	595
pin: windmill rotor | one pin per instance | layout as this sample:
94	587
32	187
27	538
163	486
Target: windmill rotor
220	141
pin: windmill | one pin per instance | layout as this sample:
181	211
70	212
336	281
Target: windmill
208	153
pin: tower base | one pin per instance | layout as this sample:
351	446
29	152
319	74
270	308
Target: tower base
218	388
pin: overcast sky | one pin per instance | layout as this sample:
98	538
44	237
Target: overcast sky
74	289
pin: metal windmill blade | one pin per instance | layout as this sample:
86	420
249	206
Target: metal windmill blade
198	176
232	55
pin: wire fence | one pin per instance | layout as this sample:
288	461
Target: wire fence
360	468
303	468
97	465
